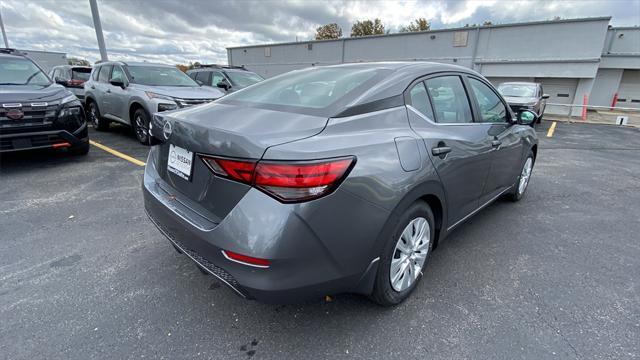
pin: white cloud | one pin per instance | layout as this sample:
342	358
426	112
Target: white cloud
173	31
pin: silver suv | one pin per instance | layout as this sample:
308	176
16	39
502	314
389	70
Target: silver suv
130	93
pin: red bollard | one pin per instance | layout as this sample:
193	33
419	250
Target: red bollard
584	108
615	100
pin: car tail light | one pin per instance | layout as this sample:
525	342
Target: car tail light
245	259
287	181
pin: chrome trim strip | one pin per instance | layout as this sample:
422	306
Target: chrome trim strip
242	262
40	104
11	105
479	208
192	259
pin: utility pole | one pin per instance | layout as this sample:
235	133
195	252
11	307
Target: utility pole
98	26
4	34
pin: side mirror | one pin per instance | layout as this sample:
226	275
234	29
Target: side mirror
61	81
223	85
117	82
545	96
527	117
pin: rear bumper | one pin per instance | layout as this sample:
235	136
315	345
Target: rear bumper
303	265
48	139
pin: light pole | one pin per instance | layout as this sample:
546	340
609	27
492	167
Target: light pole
98	26
4	34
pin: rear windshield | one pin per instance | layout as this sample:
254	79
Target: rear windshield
80	74
159	76
321	91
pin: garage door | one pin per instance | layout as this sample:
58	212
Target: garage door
560	91
629	91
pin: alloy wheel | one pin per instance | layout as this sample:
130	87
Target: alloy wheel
525	175
93	114
141	129
410	254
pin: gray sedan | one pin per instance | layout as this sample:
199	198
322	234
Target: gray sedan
334	179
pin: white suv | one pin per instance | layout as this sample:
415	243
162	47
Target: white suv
130	93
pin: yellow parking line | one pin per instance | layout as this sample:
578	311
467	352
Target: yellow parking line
117	153
552	128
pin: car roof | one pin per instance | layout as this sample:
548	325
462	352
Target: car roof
132	63
401	75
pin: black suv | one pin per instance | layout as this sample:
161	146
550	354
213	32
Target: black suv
35	112
228	78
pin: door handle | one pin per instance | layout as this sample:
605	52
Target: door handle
440	150
109	91
496	143
93	87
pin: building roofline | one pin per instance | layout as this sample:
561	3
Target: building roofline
539	22
635	27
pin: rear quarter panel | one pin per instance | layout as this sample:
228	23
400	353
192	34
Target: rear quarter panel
355	218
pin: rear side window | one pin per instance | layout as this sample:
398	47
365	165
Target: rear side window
105	71
449	100
420	100
492	110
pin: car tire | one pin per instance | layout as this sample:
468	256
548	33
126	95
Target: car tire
140	125
520	188
387	292
82	149
93	113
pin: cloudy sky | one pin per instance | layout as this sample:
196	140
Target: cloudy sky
179	31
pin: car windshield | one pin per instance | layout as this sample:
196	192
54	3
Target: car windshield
311	89
80	73
517	90
242	79
21	71
159	76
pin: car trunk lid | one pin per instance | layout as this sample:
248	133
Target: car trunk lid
226	131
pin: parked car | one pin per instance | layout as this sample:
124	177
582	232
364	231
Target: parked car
525	96
71	77
35	112
130	93
228	78
285	196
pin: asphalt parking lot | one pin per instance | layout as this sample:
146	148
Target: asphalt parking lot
84	274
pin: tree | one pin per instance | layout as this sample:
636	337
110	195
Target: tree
78	62
420	24
329	31
182	67
367	27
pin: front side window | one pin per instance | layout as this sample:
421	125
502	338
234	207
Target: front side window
159	76
492	110
449	100
105	72
95	72
118	74
21	71
242	79
420	100
202	76
216	77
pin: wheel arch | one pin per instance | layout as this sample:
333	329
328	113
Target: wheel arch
133	107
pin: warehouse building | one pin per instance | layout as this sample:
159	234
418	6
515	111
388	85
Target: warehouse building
571	58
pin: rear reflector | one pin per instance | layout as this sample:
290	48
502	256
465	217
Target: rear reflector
287	181
61	145
245	259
